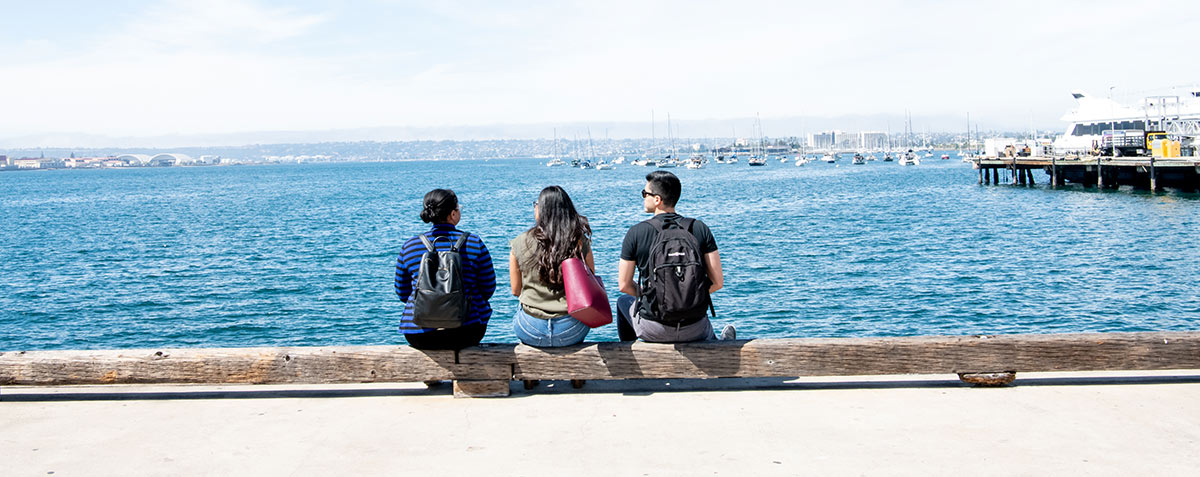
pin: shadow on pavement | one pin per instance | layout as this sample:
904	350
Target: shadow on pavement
627	387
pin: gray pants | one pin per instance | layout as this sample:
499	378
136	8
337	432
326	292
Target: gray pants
655	332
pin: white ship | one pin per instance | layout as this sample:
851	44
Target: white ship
1177	114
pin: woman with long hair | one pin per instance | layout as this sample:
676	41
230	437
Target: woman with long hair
441	208
558	233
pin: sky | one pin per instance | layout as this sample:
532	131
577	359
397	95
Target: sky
143	68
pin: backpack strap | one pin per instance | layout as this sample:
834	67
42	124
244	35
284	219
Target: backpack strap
458	245
428	244
682	222
686	223
453	248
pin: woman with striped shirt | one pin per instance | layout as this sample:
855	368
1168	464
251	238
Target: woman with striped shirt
441	208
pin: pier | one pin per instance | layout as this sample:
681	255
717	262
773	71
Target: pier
1105	172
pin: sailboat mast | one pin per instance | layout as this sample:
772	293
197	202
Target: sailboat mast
591	152
670	138
652	134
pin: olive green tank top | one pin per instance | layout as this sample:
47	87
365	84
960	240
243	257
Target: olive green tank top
537	299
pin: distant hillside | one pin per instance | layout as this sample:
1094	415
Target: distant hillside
696	128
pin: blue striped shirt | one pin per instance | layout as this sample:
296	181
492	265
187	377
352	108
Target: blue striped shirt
479	278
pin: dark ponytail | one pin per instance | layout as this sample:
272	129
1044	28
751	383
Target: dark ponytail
438	205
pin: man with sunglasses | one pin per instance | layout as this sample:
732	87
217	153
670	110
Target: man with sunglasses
659	196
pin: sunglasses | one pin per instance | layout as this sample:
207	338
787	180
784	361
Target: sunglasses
648	194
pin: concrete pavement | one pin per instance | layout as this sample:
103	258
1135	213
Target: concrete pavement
1047	424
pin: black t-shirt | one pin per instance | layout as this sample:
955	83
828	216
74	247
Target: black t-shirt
640	237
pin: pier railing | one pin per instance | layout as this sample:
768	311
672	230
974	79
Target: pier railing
488	369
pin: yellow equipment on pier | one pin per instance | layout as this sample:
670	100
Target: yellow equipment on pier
1162	146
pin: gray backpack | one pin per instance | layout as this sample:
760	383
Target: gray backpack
439	300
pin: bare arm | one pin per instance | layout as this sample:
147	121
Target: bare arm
590	263
625	278
514	274
712	264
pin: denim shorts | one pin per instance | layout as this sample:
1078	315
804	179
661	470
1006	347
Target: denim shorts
562	331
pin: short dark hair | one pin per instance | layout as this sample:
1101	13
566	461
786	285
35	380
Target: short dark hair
438	205
666	185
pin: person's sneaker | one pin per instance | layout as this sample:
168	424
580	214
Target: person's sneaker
728	333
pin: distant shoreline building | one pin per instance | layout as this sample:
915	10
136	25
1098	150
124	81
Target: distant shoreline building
872	140
824	140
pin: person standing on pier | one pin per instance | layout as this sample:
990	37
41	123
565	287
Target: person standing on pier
478	277
670	303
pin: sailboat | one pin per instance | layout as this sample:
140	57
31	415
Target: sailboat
969	153
671	159
887	155
757	159
909	158
555	161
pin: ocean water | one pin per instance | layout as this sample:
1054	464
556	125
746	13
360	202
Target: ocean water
304	254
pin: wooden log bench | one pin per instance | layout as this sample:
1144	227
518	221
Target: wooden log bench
488	369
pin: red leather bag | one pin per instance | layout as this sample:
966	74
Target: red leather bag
586	299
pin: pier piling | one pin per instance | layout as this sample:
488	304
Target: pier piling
1153	176
1053	172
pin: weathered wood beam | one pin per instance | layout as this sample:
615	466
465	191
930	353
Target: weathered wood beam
480	389
302	365
849	356
611	360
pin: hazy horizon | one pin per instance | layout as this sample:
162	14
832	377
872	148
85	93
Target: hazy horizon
710	128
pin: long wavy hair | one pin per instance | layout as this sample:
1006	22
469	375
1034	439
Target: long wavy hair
558	235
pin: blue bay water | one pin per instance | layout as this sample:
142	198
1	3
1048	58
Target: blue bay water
304	254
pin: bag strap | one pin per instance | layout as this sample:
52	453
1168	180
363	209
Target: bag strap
458	245
664	223
453	248
685	220
428	244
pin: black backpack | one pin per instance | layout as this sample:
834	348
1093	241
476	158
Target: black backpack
675	292
439	300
